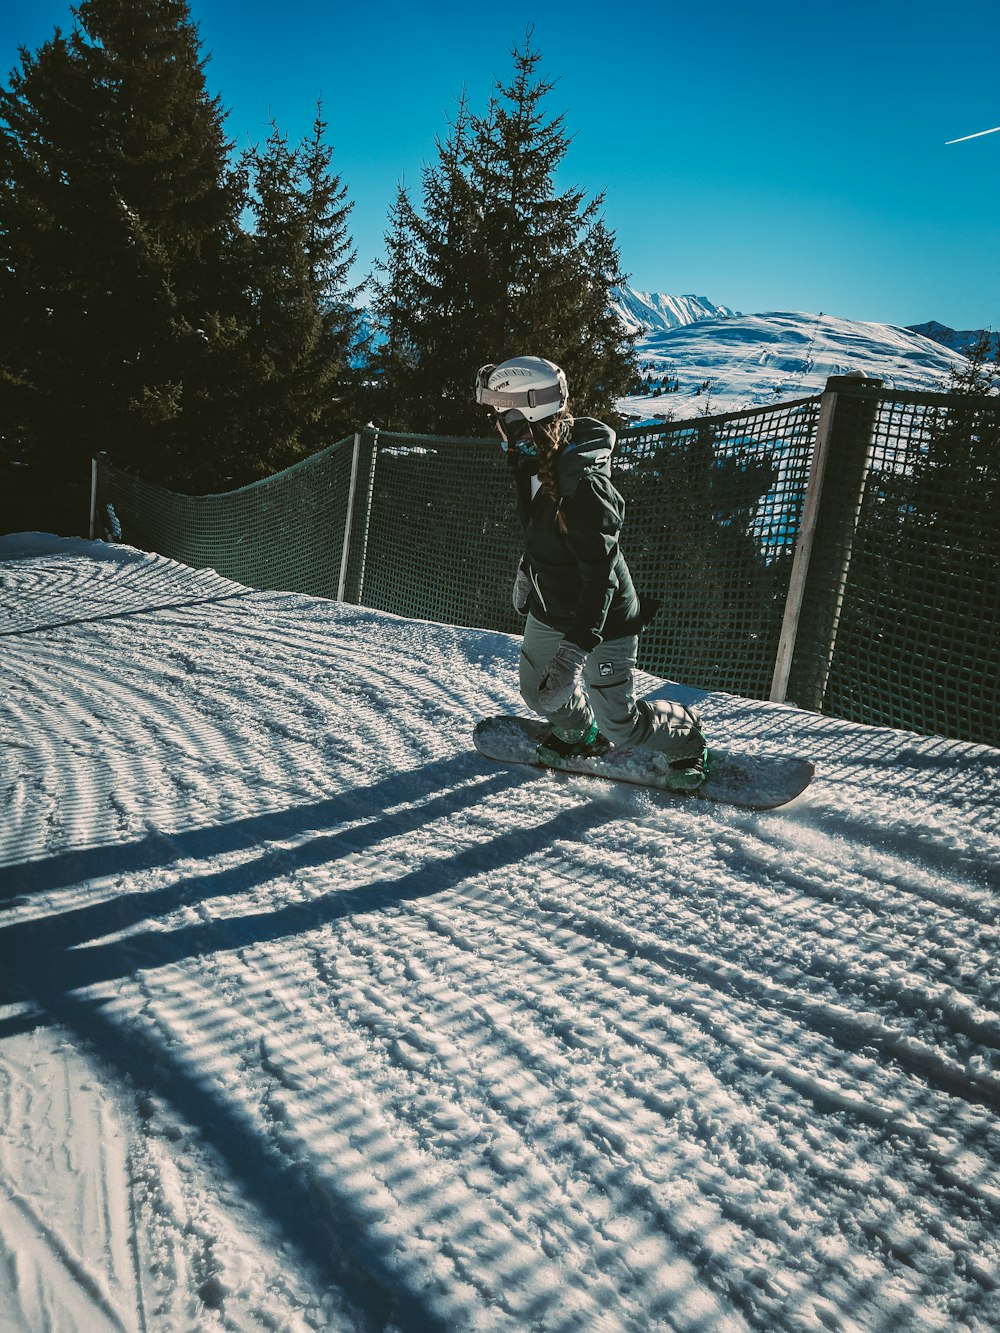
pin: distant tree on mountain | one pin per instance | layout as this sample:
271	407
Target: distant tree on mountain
497	262
980	373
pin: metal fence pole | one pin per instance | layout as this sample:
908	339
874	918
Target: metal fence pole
93	497
349	518
366	520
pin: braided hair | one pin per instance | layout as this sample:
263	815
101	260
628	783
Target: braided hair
550	438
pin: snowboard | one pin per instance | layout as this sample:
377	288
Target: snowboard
754	781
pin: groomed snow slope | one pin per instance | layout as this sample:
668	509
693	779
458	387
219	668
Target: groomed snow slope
312	1018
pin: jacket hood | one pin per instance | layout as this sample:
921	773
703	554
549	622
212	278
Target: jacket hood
591	445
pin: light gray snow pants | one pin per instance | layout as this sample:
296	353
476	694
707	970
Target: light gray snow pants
609	696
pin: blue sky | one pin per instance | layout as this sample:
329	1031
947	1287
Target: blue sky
769	157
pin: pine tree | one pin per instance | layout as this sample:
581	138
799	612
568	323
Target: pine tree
53	224
955	486
304	320
394	359
501	263
555	256
286	323
46	191
453	290
330	256
980	373
120	250
427	300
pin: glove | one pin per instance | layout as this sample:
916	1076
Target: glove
562	676
521	592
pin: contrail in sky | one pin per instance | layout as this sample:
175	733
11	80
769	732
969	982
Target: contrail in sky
972	136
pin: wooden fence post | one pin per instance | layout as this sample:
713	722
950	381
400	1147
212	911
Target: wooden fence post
823	547
803	548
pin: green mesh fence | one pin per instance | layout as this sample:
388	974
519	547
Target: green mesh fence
286	531
900	614
438	537
905	581
713	508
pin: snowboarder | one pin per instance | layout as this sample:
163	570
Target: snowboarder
580	641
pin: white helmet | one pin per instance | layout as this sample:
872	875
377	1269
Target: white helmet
530	385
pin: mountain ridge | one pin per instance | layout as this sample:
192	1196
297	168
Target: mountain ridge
647	312
959	340
732	362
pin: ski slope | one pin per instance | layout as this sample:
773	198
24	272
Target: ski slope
310	1018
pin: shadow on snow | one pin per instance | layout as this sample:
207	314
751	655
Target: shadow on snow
47	961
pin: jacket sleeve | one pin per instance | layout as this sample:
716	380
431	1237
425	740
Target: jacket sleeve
593	516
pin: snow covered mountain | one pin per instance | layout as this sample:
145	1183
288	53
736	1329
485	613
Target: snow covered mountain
959	340
653	312
726	364
698	357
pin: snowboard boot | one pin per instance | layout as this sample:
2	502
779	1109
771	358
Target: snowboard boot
561	743
686	773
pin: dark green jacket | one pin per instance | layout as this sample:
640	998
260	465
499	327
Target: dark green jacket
580	581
